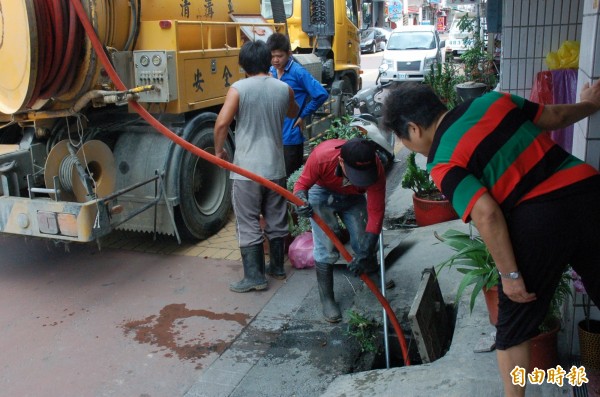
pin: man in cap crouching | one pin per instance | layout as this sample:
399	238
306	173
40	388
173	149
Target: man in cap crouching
336	176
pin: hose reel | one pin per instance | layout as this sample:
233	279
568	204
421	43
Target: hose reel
94	159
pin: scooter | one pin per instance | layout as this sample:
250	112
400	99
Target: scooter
368	102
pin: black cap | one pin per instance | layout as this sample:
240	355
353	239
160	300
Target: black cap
360	161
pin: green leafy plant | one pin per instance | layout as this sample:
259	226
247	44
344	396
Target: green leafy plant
296	224
442	79
364	330
419	181
472	259
561	294
340	128
479	65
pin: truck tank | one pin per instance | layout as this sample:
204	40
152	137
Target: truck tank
75	161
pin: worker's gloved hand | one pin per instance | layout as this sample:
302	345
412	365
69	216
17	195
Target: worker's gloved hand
305	210
364	260
358	266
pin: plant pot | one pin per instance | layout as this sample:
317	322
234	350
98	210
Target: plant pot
491	301
470	90
543	349
429	212
589	343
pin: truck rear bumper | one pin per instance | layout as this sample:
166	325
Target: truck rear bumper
57	220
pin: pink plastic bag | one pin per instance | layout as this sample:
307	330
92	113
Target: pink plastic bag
301	251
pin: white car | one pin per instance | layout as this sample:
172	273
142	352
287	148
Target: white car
460	41
410	53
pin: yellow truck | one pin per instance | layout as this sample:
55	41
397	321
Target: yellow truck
330	30
76	162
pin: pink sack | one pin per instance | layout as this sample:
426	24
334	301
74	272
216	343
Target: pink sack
301	251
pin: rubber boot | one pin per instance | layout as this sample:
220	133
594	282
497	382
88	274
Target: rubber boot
253	259
276	253
331	310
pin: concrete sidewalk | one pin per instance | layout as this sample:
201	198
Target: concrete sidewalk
461	371
288	350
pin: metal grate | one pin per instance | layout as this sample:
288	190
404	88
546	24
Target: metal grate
401	66
580	391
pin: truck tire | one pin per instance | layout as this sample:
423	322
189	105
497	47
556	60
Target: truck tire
341	91
346	85
204	191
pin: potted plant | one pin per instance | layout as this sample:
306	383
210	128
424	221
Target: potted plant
430	205
443	78
475	262
589	338
481	73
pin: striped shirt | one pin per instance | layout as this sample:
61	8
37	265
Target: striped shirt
492	145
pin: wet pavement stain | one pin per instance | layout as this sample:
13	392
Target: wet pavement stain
164	331
57	322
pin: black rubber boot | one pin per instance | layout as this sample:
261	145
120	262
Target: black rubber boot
276	254
253	259
331	310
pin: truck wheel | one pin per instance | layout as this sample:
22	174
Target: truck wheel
346	86
204	191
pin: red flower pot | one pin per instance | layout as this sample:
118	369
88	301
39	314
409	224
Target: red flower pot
543	349
429	212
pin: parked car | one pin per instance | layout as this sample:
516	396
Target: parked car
460	41
410	52
373	40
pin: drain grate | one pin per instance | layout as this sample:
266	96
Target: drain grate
579	391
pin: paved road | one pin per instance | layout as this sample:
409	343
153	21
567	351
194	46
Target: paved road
114	322
137	318
370	65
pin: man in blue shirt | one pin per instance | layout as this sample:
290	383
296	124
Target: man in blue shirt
308	92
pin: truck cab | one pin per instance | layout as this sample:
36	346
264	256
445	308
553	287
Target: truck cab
328	29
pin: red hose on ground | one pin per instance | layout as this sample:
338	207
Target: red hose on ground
233	168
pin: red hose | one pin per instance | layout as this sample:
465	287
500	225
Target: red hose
57	19
233	168
68	71
43	66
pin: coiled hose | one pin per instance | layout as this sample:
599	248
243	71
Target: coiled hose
60	39
233	168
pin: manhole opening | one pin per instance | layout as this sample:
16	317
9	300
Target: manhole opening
428	328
